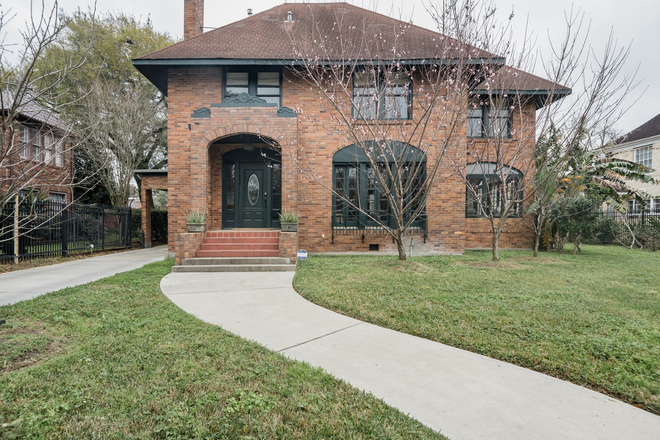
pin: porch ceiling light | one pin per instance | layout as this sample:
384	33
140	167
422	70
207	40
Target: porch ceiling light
248	146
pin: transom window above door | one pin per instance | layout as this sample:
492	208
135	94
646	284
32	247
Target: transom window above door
266	85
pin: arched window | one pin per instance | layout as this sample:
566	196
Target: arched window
485	191
360	202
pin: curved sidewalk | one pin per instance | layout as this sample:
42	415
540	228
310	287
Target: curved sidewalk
461	394
29	283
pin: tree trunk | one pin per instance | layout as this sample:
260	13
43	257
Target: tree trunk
400	246
576	244
537	239
496	246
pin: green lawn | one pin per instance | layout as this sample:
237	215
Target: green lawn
592	319
116	359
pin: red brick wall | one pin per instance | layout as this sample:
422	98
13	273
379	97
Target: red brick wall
20	173
195	168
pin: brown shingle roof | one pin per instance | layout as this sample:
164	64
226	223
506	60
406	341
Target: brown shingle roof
508	78
364	35
648	129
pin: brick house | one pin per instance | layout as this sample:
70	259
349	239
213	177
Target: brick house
36	153
237	150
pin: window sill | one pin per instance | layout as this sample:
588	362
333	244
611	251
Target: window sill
384	121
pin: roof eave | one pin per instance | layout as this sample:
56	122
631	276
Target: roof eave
155	69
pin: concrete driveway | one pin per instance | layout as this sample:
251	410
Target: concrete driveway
461	394
30	283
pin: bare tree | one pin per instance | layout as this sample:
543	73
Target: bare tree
505	170
397	101
35	143
122	127
26	100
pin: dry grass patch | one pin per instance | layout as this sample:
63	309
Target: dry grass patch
24	344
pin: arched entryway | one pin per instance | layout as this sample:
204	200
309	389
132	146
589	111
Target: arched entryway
251	184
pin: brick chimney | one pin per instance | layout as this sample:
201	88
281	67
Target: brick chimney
193	18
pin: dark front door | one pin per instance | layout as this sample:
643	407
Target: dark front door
254	196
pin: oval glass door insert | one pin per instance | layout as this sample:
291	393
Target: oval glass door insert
253	189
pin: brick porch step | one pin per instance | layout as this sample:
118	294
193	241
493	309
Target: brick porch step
240	243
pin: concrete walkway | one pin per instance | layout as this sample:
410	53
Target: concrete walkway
26	284
461	394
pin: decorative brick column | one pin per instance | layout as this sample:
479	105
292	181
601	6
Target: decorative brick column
289	245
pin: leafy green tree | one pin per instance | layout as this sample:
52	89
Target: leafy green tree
107	159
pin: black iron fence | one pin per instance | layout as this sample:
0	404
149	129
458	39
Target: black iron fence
48	228
630	229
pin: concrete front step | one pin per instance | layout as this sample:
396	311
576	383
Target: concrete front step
236	268
236	260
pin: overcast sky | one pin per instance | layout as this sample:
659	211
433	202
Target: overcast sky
633	21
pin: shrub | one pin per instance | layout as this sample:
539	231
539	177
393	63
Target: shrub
606	229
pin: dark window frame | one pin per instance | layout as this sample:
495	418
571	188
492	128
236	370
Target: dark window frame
252	81
381	108
485	119
352	217
487	184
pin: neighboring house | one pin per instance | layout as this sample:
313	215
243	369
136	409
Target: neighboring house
36	154
642	145
233	87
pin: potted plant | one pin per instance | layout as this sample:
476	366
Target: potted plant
289	221
196	221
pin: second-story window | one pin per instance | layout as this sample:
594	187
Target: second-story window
24	134
644	156
488	118
262	84
382	95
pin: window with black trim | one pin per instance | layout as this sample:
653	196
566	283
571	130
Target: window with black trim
382	95
356	185
266	85
485	191
488	119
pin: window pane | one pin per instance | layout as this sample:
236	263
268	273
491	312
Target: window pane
366	107
230	186
474	123
364	79
352	194
396	107
277	187
268	79
25	142
474	198
268	91
237	79
232	91
271	99
59	155
644	155
339	202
